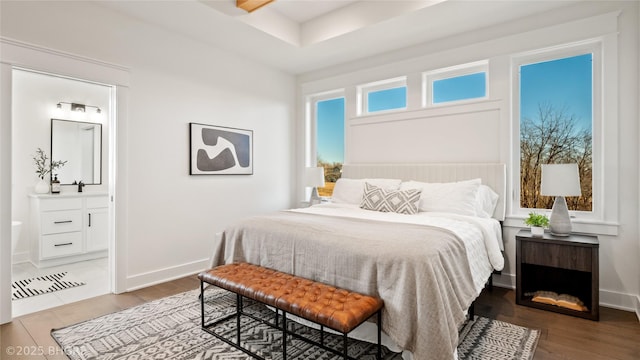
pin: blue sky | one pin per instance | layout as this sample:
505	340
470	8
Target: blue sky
395	98
460	88
563	82
330	127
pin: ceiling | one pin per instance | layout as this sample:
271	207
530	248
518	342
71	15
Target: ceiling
300	36
303	10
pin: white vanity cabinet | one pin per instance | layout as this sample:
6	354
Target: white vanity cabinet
68	228
97	224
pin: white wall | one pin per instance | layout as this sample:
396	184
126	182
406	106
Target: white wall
33	104
638	110
171	217
482	134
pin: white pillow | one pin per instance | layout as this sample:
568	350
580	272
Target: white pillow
487	200
350	191
454	197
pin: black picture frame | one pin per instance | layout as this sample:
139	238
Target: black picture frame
220	150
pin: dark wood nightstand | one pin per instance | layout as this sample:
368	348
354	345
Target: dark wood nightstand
565	265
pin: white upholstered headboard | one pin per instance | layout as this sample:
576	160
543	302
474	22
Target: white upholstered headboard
492	174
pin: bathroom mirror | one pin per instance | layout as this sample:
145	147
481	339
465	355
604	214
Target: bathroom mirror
80	145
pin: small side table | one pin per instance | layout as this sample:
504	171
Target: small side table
565	265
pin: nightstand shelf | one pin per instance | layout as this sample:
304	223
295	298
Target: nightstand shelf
565	265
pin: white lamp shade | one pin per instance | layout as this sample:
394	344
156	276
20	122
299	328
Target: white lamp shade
314	176
560	180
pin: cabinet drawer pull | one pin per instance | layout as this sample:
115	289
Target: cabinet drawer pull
89	219
65	244
62	222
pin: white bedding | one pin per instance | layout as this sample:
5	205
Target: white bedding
482	236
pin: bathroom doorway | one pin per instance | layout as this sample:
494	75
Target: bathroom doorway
60	240
16	54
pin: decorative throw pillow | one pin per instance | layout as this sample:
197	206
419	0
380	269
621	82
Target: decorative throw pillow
398	201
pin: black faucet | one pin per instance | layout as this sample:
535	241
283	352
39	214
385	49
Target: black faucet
80	186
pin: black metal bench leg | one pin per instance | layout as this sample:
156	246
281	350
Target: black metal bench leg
344	345
238	311
321	335
284	335
379	335
202	302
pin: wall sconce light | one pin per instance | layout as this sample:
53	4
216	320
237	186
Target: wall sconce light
78	107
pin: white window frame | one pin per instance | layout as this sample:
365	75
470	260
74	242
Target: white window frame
429	77
311	122
364	90
593	46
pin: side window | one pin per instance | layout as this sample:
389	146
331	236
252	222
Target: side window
556	107
330	116
453	84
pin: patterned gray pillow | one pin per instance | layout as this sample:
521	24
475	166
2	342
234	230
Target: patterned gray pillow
398	201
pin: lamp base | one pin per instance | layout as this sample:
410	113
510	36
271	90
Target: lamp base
315	198
560	222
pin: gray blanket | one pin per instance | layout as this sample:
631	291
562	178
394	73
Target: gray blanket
421	273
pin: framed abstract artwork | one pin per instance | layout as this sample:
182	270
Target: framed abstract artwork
218	150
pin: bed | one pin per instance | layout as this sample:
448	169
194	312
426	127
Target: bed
428	257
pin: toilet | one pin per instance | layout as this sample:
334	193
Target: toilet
15	234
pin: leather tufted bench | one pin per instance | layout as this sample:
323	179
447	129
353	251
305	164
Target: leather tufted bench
338	309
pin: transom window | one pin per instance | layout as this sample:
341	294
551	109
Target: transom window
455	84
383	95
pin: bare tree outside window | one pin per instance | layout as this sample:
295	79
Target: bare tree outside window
553	137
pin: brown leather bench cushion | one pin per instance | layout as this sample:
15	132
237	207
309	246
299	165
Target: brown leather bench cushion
335	308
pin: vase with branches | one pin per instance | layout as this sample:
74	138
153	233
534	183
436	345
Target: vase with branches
44	167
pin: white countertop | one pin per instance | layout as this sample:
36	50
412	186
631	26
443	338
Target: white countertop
69	195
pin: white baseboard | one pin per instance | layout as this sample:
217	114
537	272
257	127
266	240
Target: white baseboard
617	300
507	281
150	278
20	257
610	299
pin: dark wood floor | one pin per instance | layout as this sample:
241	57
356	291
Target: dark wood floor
615	336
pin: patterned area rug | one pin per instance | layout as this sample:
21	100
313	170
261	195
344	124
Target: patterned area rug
169	328
43	284
494	339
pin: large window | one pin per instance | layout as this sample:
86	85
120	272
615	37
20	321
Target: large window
556	122
329	115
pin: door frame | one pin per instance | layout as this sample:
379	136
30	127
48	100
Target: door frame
19	54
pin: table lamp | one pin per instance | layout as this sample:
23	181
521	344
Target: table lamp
314	177
560	180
